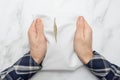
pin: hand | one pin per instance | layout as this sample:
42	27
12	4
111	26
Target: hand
37	40
83	40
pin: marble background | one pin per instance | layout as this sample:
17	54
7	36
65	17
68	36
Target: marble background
12	43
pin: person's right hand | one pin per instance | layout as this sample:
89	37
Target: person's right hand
37	40
83	40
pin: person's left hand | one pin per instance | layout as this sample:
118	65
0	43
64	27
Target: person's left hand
83	40
37	40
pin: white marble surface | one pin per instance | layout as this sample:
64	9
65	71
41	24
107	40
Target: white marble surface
14	43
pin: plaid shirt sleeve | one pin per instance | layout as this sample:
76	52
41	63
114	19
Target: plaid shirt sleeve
102	68
23	69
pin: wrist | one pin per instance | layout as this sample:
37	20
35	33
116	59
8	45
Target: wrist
88	55
37	60
36	57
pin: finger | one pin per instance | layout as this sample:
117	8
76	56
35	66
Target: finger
88	31
80	25
32	30
32	25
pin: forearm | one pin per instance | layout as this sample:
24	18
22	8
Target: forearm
102	68
23	69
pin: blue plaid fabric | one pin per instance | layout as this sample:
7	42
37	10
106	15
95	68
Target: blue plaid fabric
102	68
23	69
26	67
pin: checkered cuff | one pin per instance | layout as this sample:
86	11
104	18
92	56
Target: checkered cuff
99	66
23	69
